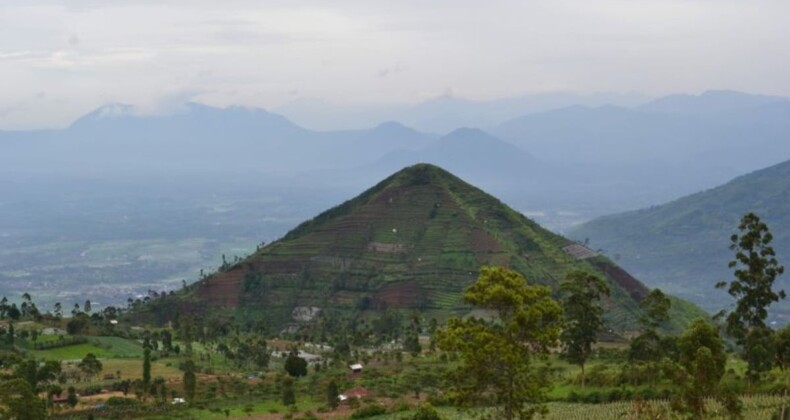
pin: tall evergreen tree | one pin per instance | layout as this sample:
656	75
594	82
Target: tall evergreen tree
583	316
288	394
332	394
756	269
189	380
146	368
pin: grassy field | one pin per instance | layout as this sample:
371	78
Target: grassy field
132	369
102	347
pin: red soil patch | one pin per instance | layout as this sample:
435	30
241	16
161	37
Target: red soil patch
401	294
634	287
223	289
482	242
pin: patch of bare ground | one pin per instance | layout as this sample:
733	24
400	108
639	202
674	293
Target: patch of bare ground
635	289
223	290
400	295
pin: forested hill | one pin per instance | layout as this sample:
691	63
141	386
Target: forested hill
415	241
682	246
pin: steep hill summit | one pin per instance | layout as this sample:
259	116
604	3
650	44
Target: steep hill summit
412	242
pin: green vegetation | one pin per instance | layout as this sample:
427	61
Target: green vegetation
512	344
583	316
679	246
497	357
756	269
412	242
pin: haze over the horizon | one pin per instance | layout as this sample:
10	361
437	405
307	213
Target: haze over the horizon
60	59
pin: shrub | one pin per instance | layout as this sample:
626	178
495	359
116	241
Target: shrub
598	375
426	412
91	390
573	397
592	398
647	394
614	395
438	400
402	406
121	402
368	411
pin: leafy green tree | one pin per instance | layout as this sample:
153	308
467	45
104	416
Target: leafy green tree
146	368
648	348
90	365
189	380
295	365
27	370
702	360
655	309
71	397
411	343
496	355
14	312
167	341
288	394
332	394
756	269
52	392
77	325
49	371
583	316
18	401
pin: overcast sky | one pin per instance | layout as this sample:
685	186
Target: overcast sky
60	59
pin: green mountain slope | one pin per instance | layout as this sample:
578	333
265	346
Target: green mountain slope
415	241
682	246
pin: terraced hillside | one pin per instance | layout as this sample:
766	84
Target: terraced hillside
412	242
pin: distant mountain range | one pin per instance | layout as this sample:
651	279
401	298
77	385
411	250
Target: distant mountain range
723	134
199	169
591	161
682	246
414	241
444	114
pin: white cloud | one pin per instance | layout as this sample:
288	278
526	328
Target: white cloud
85	53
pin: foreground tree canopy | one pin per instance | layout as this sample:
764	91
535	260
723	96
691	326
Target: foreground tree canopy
584	316
496	354
756	269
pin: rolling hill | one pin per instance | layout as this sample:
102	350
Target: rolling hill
414	241
682	246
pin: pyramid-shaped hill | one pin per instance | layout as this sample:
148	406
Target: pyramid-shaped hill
415	241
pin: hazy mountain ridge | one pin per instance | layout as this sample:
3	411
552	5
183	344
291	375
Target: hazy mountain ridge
682	246
234	160
445	113
709	102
